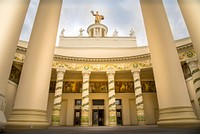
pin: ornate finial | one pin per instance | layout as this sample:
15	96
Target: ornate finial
132	33
98	17
115	33
81	32
62	33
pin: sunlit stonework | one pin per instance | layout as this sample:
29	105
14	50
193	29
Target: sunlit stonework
100	80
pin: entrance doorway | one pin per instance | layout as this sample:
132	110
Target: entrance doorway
119	117
77	117
98	117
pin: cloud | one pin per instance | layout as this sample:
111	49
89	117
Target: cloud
175	18
28	23
119	14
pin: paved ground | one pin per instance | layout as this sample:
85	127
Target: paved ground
108	130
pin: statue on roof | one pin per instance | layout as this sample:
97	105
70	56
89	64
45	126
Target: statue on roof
62	32
132	33
115	33
81	32
98	17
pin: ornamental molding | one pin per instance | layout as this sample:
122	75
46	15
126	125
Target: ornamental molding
190	54
186	46
115	59
19	57
102	67
21	49
105	64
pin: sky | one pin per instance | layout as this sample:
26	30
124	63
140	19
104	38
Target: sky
122	15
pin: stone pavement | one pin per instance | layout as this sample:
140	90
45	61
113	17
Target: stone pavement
108	130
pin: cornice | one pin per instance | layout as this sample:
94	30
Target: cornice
115	59
186	46
21	49
183	55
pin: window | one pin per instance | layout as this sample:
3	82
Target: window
98	102
118	102
78	102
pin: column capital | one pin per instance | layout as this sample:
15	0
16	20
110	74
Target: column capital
60	70
135	70
192	62
86	73
110	72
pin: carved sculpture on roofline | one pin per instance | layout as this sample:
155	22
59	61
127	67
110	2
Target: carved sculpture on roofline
98	17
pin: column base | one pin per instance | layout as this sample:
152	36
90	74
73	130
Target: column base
85	125
178	117
27	119
55	124
141	123
113	124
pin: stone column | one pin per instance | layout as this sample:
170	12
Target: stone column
30	106
111	98
193	65
174	103
190	10
138	97
12	14
58	97
85	99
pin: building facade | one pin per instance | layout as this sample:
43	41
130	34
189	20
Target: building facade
99	80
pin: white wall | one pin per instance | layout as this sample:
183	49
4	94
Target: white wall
129	116
150	108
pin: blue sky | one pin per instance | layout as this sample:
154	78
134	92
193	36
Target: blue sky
119	14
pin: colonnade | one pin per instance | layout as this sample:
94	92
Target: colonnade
85	110
31	100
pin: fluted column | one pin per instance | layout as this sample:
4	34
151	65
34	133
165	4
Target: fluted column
191	14
111	98
138	97
193	65
58	97
30	106
85	99
12	14
174	103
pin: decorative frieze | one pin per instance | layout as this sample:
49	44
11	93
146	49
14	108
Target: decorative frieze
187	55
103	64
19	57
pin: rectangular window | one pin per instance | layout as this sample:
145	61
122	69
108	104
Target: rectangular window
118	102
78	102
98	102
